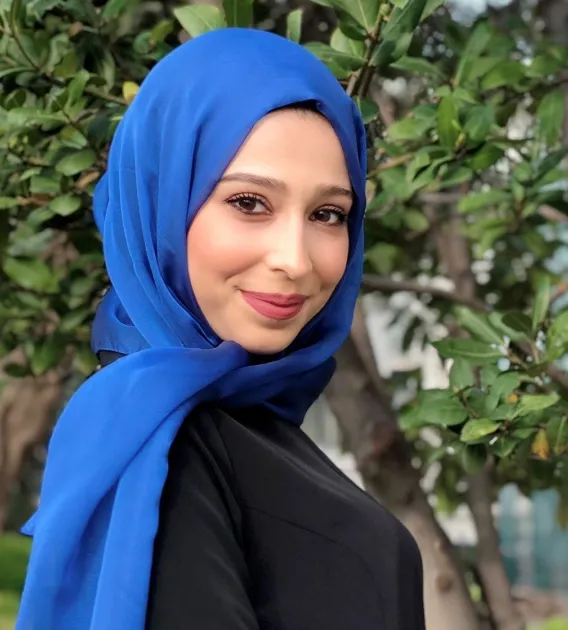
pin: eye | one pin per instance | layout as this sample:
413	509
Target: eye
330	216
248	203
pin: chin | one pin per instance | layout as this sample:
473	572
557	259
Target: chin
265	344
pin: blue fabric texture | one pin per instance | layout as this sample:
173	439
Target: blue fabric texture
107	459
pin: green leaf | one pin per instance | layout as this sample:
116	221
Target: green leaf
485	157
478	428
76	162
479	122
8	202
550	162
238	12
197	19
407	129
15	370
369	109
382	257
31	274
474	457
430	8
461	375
161	30
454	177
46	355
340	42
114	9
364	12
294	25
475	46
504	447
502	412
478	326
448	122
542	66
489	374
529	403
85	360
419	66
328	55
550	115
481	200
398	33
541	302
505	384
557	432
506	72
441	408
65	205
492	234
77	86
519	322
476	352
73	319
557	337
416	220
411	419
45	185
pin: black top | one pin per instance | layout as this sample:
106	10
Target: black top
259	530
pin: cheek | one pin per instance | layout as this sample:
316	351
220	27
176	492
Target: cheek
215	250
330	259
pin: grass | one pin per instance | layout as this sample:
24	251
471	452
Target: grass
8	608
14	552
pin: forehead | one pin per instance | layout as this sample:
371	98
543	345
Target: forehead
294	141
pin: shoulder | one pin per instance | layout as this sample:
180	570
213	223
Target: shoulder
202	435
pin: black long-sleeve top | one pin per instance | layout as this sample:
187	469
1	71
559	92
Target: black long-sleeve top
259	530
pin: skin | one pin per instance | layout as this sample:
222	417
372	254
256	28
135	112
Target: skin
275	223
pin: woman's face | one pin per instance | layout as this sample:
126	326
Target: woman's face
270	245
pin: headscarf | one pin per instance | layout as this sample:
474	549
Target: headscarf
107	458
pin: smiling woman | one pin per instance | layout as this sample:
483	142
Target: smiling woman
270	245
180	490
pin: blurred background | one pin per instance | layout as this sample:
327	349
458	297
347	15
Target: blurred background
450	399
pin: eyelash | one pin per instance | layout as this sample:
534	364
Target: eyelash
233	201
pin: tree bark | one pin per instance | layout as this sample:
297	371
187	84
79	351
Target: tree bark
495	582
27	408
454	257
359	400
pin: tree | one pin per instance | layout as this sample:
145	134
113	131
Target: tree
465	189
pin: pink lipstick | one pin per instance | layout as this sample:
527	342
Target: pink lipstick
275	305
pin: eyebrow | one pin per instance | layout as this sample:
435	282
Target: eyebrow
278	184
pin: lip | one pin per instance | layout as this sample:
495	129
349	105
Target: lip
275	305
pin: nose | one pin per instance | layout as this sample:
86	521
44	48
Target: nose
289	251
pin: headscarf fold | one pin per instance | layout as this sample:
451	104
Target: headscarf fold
107	458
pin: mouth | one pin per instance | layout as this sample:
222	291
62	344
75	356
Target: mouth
275	305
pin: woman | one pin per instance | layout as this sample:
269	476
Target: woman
179	490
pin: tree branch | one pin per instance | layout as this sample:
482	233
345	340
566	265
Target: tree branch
360	80
383	284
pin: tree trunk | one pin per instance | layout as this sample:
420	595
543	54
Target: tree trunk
368	424
454	257
27	408
492	574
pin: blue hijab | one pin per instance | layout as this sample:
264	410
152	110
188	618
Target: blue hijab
107	459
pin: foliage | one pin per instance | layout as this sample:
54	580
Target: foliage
68	70
14	552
